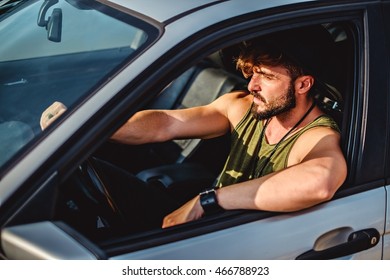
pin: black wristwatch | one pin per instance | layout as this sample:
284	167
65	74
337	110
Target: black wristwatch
209	202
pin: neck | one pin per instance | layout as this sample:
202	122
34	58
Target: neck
289	119
287	123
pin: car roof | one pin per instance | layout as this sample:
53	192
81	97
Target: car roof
165	11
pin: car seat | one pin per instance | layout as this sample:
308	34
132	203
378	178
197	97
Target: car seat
199	85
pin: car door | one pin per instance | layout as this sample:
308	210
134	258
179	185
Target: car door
352	225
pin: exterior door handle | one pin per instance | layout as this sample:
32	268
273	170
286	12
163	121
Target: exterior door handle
357	241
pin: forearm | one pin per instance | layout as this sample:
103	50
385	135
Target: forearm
162	125
144	127
292	189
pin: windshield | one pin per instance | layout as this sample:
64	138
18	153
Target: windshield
58	50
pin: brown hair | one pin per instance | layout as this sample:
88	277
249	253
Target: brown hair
261	53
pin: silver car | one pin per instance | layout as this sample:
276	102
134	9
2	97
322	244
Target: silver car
105	60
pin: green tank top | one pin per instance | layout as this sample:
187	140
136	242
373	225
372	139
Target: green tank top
242	164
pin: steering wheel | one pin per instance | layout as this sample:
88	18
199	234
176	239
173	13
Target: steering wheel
96	188
95	181
86	203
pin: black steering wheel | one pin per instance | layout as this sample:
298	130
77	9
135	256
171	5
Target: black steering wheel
86	202
98	189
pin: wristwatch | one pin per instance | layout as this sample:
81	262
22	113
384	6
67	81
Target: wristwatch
209	202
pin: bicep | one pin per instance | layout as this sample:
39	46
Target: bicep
321	147
198	122
212	120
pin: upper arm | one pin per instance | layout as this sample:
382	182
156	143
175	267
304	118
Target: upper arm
321	147
212	120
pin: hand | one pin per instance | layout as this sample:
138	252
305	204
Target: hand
51	114
190	211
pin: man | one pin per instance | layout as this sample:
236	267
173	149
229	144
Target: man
285	153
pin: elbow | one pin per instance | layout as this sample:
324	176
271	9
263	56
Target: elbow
325	193
327	187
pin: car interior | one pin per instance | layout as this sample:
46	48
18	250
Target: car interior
181	168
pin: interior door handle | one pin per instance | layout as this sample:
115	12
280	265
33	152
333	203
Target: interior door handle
357	241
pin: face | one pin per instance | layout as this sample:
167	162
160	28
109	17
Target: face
273	91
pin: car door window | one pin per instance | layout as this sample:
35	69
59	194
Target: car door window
183	175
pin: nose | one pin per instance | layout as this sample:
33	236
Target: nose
254	84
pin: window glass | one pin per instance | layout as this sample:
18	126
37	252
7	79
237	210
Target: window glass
57	50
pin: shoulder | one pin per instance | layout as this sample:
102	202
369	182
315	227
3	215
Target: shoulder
235	105
234	96
319	141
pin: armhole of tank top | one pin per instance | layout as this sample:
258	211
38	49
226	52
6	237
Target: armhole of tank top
308	127
243	118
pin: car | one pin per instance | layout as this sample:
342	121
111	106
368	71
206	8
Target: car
105	60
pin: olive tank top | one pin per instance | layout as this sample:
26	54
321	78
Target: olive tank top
242	164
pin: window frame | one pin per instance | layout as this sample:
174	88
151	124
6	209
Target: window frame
237	30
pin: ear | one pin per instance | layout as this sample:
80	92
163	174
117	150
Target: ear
303	84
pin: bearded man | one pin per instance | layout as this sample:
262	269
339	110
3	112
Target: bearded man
285	152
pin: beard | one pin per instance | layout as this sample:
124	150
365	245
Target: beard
275	107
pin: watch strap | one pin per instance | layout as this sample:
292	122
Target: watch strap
209	202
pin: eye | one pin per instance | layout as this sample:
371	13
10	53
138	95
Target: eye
267	76
262	73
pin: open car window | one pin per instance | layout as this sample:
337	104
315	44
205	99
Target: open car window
180	168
